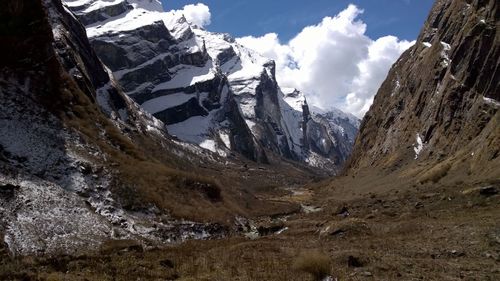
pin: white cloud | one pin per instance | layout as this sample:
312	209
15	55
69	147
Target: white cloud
333	62
198	14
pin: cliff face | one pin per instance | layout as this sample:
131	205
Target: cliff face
207	89
438	109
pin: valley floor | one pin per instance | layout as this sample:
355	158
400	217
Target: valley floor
384	229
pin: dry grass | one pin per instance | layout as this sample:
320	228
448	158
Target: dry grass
436	173
315	263
441	240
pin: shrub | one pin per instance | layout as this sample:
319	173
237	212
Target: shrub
313	262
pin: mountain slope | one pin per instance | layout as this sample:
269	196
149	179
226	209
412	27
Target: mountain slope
208	89
437	113
81	163
69	139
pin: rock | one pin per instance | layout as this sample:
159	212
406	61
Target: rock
104	13
113	246
370	216
167	263
308	209
342	212
354	262
367	273
242	224
269	228
350	226
456	253
8	190
488	191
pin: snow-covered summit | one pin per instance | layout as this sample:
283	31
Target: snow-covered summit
207	88
93	5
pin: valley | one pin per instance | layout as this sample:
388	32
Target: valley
380	231
136	145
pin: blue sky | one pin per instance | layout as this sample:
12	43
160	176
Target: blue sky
337	52
401	18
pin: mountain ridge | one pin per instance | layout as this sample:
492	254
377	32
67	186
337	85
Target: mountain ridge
208	89
439	103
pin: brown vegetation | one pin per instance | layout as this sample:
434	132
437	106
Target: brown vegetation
427	231
313	262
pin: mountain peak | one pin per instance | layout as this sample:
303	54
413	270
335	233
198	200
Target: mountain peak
207	88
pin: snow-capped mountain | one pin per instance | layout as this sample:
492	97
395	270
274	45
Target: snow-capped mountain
208	89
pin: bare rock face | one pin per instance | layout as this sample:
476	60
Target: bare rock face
439	106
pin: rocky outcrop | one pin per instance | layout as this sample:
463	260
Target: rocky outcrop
202	85
439	106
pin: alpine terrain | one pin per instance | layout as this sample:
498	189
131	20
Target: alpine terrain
136	145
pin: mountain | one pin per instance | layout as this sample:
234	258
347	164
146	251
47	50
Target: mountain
70	141
93	187
437	113
81	163
208	89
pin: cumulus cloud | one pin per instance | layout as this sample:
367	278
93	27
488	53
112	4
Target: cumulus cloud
198	14
333	62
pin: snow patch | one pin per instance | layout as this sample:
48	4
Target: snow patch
96	5
281	230
187	75
419	146
250	124
225	139
445	62
209	144
397	86
194	130
310	209
491	101
145	12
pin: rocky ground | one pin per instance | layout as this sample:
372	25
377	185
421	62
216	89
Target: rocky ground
370	227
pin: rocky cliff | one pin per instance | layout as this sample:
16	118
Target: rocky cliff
208	89
437	113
